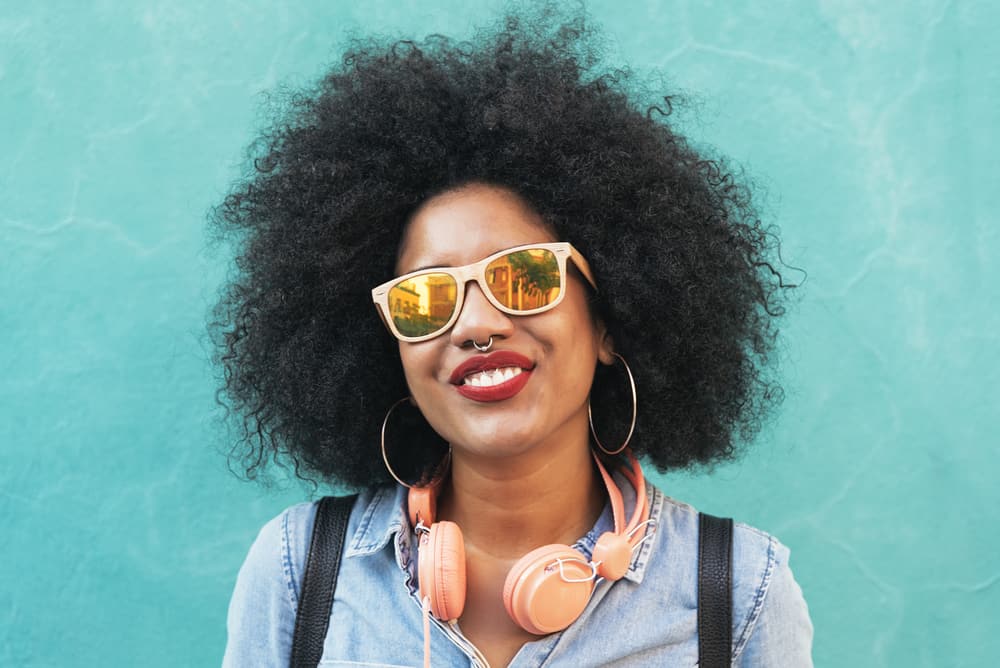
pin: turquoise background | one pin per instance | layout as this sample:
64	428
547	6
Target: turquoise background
870	127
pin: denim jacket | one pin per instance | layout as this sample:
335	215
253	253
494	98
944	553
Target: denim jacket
648	618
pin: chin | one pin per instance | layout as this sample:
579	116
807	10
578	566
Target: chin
493	446
503	441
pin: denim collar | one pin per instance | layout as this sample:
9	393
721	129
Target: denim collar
385	517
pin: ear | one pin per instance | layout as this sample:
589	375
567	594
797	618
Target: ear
606	348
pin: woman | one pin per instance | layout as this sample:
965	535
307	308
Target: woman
541	251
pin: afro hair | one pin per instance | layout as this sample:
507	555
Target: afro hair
684	267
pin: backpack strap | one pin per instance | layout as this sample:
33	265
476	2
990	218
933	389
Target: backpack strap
715	607
320	579
715	593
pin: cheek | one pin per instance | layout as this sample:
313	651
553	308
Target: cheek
418	362
579	334
573	349
409	360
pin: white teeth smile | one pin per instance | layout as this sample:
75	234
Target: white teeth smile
492	377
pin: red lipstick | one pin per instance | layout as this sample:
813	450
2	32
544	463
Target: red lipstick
498	360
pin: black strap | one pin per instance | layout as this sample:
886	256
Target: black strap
320	579
715	597
715	606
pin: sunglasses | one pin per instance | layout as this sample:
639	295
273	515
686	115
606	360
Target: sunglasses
523	280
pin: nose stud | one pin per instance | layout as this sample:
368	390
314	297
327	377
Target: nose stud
482	348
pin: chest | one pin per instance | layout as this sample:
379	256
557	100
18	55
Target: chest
376	620
485	621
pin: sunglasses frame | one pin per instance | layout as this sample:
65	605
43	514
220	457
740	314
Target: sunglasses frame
476	271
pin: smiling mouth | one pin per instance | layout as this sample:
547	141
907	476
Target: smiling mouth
492	377
490	370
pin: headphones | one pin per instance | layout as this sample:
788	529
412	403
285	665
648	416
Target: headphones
548	588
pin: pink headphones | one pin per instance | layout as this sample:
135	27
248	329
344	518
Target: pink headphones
548	588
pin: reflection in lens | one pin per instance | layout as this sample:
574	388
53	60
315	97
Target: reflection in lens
525	280
422	304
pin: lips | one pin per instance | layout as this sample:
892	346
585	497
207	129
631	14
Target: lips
492	377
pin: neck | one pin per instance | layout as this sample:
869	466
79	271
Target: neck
511	505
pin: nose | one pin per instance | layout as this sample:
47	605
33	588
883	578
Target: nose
479	319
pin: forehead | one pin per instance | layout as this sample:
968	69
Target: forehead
465	225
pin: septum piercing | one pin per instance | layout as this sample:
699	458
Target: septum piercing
483	348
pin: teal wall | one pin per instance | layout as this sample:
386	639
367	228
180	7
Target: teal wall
871	126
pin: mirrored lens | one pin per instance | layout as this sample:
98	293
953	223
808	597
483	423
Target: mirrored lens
423	304
525	280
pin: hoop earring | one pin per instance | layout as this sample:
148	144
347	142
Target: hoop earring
442	465
590	417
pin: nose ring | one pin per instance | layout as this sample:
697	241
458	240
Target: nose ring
483	348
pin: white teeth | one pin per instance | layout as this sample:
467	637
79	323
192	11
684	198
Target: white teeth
492	377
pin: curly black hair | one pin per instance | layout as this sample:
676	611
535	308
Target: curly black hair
684	267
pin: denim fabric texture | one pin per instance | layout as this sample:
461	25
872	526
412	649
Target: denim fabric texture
648	618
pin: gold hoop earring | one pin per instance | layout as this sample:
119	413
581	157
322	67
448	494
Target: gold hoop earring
437	471
590	417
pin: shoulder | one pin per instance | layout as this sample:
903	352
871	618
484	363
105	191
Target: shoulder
261	618
279	552
770	617
769	608
281	547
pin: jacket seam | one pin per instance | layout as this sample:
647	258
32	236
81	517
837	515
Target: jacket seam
751	623
287	563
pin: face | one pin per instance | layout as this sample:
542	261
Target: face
556	351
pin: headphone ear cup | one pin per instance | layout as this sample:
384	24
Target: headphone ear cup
536	594
612	554
441	570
